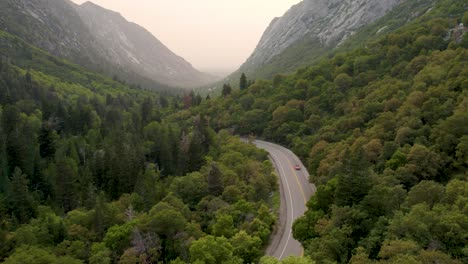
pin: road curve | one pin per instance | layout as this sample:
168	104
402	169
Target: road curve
295	191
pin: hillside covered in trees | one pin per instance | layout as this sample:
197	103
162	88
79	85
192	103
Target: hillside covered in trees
91	172
383	131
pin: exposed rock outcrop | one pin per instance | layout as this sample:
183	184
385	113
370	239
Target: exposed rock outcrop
129	45
99	39
328	21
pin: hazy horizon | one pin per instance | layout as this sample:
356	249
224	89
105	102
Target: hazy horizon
215	36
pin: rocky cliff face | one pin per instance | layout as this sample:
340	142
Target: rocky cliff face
52	25
329	22
99	39
131	46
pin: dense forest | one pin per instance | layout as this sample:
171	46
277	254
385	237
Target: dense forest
383	131
93	170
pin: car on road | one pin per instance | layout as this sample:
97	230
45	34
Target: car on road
297	167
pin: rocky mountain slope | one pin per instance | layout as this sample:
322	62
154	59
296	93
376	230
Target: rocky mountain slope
99	39
321	23
52	25
130	45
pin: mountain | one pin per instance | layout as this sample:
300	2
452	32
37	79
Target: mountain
81	151
382	130
131	46
318	25
94	171
52	25
99	39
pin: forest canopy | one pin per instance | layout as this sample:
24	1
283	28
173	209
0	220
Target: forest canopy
93	170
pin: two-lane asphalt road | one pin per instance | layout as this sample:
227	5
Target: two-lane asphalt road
295	192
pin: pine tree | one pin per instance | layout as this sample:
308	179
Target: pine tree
243	83
166	154
4	182
215	180
66	177
99	218
47	142
146	109
183	157
21	200
197	100
196	153
147	186
226	90
353	181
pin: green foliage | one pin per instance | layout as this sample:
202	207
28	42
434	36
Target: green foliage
212	250
99	254
465	18
36	255
215	180
243	82
380	125
428	192
226	90
168	222
191	188
148	188
343	82
288	260
117	237
224	226
22	202
94	171
353	183
75	249
246	247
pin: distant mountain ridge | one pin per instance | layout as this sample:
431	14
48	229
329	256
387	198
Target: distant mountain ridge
323	24
132	46
99	39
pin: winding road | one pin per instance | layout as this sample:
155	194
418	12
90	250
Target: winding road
295	191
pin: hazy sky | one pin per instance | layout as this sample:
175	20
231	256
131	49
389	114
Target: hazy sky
210	34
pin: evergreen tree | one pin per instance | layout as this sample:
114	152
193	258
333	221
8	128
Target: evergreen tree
195	152
215	180
166	159
66	182
243	83
99	217
197	100
21	200
47	142
147	186
353	181
146	110
10	121
226	90
4	182
183	157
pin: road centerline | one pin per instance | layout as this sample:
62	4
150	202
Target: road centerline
297	179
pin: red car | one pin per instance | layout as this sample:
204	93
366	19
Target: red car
297	167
